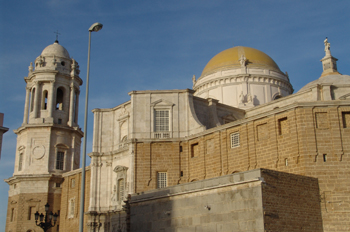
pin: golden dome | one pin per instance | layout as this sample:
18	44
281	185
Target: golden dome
230	58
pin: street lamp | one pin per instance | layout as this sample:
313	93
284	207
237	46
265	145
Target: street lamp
94	27
46	223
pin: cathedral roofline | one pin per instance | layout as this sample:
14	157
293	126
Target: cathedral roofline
111	109
76	171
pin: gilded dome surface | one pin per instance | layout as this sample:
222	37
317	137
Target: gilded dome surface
230	58
55	49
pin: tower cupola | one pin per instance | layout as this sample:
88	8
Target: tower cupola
52	88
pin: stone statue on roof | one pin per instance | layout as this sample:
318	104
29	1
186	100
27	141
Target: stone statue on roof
327	46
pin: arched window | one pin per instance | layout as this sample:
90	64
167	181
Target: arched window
277	97
59	99
32	100
44	100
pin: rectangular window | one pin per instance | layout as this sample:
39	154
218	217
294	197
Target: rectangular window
161	120
194	150
71	208
59	160
31	211
346	119
12	214
283	127
235	141
120	189
162	180
20	162
72	183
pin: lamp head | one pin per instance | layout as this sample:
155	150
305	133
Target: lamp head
47	206
95	27
36	215
55	217
41	217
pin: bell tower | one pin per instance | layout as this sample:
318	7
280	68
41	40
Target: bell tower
48	141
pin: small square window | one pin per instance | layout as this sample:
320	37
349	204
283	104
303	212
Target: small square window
235	140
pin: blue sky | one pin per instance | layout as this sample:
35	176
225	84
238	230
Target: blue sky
147	45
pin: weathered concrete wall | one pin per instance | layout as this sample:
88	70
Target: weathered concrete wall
239	202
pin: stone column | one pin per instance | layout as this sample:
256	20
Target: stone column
36	100
71	101
26	106
50	102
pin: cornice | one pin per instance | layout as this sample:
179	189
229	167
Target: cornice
32	177
111	109
250	78
52	125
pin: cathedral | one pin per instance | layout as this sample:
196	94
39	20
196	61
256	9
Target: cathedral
239	151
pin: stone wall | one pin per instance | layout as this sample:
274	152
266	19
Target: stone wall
257	200
310	139
71	194
24	202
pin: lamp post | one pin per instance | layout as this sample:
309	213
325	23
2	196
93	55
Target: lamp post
94	27
46	223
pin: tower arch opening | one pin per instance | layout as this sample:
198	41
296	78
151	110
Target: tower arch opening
59	98
44	100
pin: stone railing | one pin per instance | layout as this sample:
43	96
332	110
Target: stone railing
161	135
